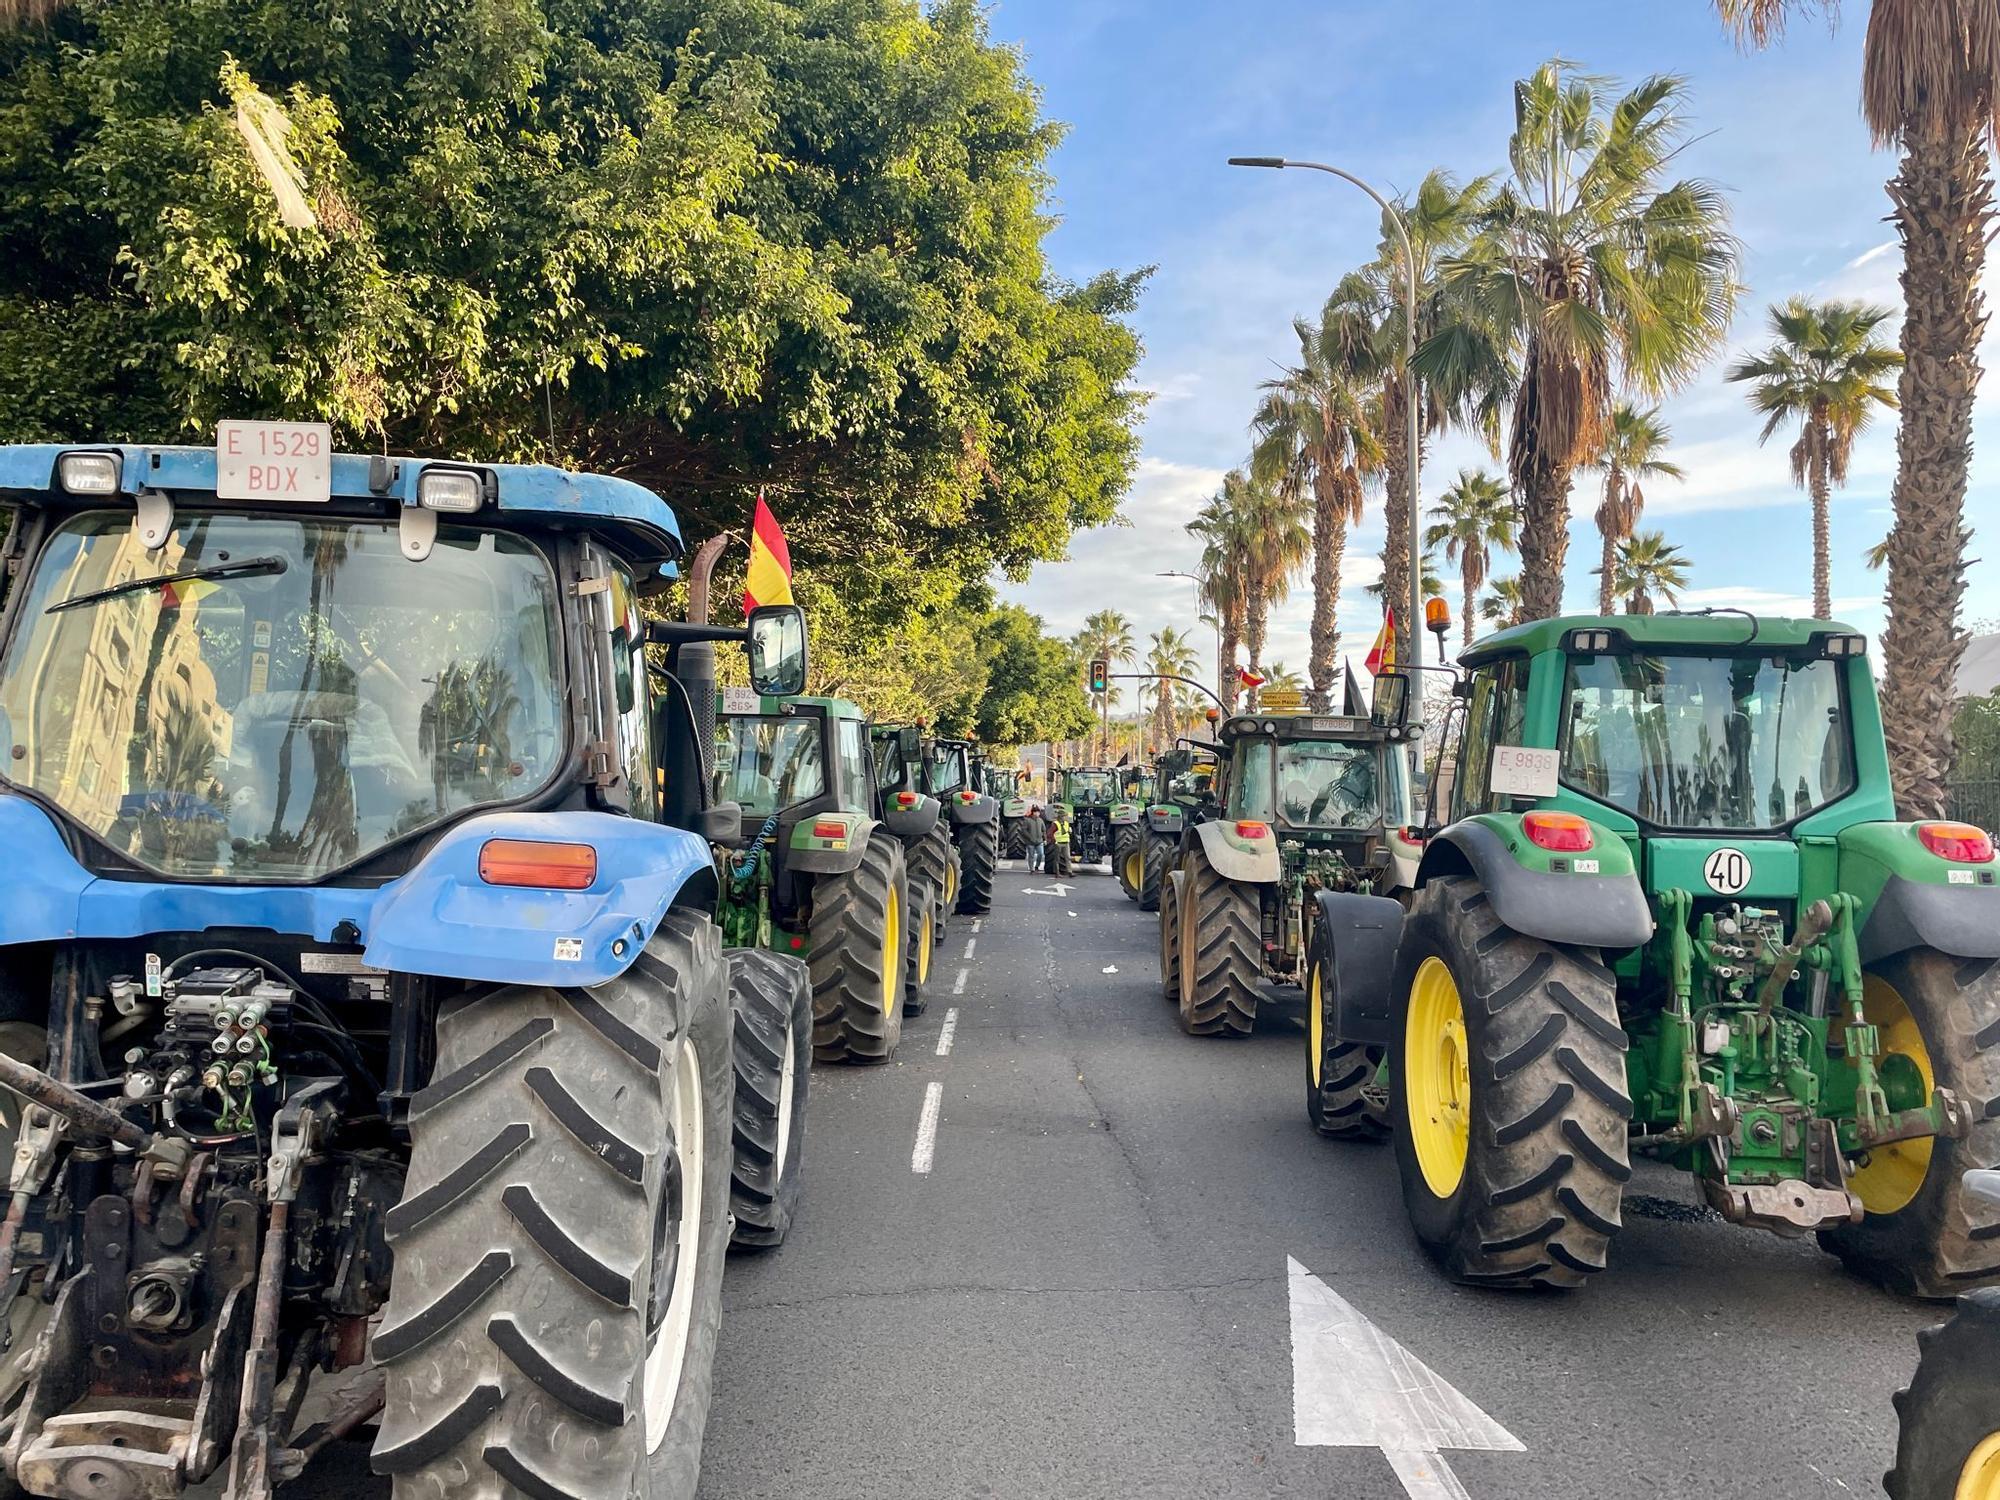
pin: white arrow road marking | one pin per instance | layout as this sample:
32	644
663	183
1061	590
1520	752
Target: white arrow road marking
927	1123
1056	888
1111	968
1355	1387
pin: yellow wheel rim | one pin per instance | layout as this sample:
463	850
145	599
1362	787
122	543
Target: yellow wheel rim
1438	1077
950	882
1315	1025
1895	1173
892	950
1135	869
1980	1478
924	943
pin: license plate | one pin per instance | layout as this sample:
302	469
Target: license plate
289	462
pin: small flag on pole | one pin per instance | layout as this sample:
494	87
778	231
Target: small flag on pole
769	579
1383	653
1249	679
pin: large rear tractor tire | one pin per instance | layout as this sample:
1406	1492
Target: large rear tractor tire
1506	1095
922	927
935	861
1014	841
980	858
1925	1235
1221	951
1343	1098
770	998
1170	936
857	958
1949	1441
1128	858
1159	856
558	1279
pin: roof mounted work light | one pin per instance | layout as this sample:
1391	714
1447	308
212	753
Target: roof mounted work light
88	473
457	491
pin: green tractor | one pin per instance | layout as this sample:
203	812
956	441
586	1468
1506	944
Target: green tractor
974	818
1009	789
1308	805
901	772
1084	796
1135	792
1671	913
819	869
1183	791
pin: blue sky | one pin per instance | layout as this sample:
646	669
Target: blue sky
1157	93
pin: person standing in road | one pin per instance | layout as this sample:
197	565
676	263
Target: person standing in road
1036	831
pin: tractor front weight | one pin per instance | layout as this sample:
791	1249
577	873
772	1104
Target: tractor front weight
1769	1103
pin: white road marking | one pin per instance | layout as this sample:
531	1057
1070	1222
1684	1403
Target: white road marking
944	1036
970	944
927	1123
1055	888
1355	1387
975	923
1111	968
958	984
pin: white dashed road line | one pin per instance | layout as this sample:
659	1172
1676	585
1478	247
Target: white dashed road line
975	923
970	944
927	1124
944	1036
958	984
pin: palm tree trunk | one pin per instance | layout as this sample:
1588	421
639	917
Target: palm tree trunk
1607	598
1255	611
1329	550
1465	593
1822	558
1225	669
1544	538
1396	540
1944	213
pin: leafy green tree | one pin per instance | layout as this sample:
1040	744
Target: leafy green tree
1824	371
1032	691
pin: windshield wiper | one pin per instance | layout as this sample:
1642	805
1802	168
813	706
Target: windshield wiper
249	567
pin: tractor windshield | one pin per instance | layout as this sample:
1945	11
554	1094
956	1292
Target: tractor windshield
311	696
768	763
1317	784
1707	742
1092	788
946	771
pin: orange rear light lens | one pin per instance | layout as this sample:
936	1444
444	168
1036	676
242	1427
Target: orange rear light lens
906	799
556	867
1558	832
1410	834
1253	830
830	830
1960	842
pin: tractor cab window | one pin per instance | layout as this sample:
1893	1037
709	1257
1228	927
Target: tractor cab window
629	682
1707	742
1251	791
1496	715
1092	788
319	698
945	772
888	764
1327	785
767	762
850	765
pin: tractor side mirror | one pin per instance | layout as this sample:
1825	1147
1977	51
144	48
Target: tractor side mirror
721	824
909	741
1390	707
777	635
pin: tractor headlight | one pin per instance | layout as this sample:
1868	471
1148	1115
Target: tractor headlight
88	473
1847	645
459	491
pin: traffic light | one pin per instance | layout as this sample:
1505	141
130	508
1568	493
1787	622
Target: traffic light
1100	674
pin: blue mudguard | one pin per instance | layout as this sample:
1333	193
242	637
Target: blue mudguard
439	919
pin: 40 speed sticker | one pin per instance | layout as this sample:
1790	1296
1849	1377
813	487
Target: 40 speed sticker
1727	871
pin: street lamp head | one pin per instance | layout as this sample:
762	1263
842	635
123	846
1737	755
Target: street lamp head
1256	161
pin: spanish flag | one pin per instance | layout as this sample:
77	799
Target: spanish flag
769	580
1383	652
1249	679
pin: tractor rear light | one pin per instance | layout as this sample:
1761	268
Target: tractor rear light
906	799
1247	830
968	796
1411	834
88	473
558	867
1558	832
1959	842
833	829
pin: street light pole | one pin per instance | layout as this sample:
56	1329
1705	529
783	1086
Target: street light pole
1414	627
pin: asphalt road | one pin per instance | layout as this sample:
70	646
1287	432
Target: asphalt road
1086	1294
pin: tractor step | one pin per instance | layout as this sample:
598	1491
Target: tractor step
1790	1208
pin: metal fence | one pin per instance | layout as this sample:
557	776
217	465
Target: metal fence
1974	802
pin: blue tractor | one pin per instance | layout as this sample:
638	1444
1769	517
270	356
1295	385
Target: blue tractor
357	962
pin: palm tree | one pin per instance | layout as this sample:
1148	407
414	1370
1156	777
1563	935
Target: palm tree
1172	655
1313	434
1284	679
1108	634
1501	603
1475	516
1224	569
1592	273
1930	85
1824	372
1646	565
1441	217
1276	541
1631	442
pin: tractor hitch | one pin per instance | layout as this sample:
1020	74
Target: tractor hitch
1791	1208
